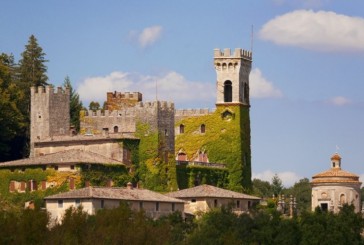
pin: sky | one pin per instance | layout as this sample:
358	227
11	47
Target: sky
306	82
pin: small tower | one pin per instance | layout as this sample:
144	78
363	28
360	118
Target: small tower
49	113
232	76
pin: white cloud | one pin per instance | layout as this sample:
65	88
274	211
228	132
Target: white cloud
260	87
288	178
339	101
171	86
321	31
147	36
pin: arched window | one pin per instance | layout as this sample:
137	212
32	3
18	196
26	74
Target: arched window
181	129
203	128
228	91
342	199
116	129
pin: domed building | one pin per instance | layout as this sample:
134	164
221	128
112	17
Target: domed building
335	187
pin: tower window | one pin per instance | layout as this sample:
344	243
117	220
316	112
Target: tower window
228	91
181	129
203	128
116	129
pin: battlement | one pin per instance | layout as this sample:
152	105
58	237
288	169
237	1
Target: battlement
238	53
157	104
192	112
126	95
49	89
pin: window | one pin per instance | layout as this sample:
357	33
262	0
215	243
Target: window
181	129
237	204
102	204
249	204
173	207
202	128
56	167
157	206
342	199
228	91
166	132
193	200
77	202
72	167
215	203
116	129
182	157
60	203
141	205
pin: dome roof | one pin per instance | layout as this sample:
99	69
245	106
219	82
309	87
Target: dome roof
336	156
335	175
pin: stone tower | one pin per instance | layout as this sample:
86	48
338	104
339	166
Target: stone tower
232	76
232	102
49	114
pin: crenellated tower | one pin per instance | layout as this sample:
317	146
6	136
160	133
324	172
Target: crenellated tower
49	114
232	71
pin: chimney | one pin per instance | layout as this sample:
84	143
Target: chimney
129	185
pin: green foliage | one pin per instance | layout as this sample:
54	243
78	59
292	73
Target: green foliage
190	176
226	140
99	174
94	106
75	104
11	119
277	185
154	170
262	188
301	190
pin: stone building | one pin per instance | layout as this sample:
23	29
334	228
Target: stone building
92	199
173	147
203	198
335	187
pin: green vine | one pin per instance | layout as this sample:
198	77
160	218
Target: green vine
226	140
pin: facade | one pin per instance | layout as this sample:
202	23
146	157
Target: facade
203	198
175	148
95	198
335	187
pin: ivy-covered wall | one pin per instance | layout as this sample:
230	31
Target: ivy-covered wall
190	176
226	140
156	168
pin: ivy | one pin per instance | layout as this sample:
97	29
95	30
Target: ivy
99	175
226	140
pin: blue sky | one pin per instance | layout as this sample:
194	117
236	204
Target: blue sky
306	80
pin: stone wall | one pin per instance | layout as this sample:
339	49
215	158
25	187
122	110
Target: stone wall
49	114
117	100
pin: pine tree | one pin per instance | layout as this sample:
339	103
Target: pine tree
31	72
277	185
75	104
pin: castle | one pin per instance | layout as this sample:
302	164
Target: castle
160	147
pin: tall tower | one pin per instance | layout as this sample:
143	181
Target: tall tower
232	102
232	76
49	113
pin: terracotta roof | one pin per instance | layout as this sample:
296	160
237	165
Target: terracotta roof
73	156
335	175
209	191
117	193
336	156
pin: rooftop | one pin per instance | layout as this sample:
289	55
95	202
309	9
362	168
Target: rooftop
74	156
209	191
117	193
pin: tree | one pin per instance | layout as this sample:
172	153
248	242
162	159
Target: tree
75	104
32	65
301	190
31	72
262	188
277	185
94	106
11	119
